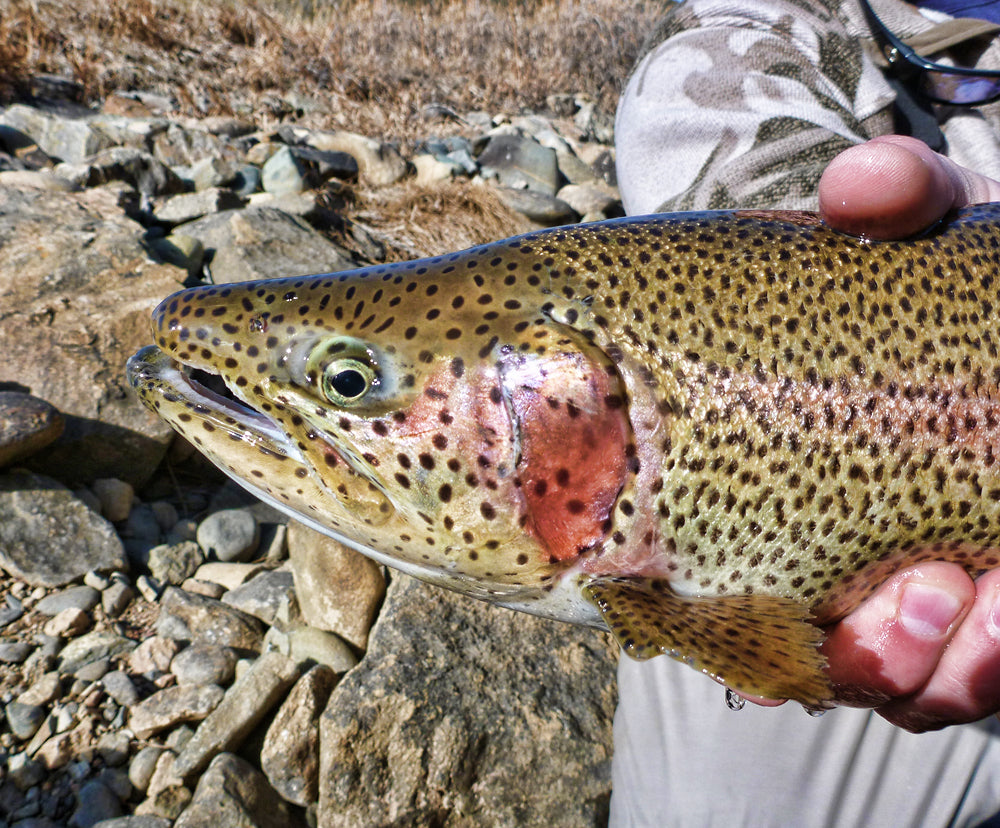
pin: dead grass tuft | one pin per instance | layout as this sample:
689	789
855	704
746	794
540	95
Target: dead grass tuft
373	66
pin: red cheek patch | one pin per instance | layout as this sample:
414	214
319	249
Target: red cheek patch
574	433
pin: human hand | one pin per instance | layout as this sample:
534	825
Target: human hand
924	650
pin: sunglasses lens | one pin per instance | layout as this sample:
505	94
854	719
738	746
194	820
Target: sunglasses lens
960	89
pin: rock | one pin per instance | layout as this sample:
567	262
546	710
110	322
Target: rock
520	163
24	719
264	243
431	170
262	597
204	664
194	618
66	746
113	748
589	200
133	166
379	164
190	206
538	207
229	535
227	575
68	623
285	173
43	691
172	706
290	755
604	168
210	173
119	686
15	652
95	803
338	589
79	291
178	146
245	704
149	588
140	769
66	139
235	794
166	793
116	598
180	250
450	730
27	424
93	646
304	644
326	164
135	821
48	537
116	497
206	588
173	563
247	180
79	597
10	610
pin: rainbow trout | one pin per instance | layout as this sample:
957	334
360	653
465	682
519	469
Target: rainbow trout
711	432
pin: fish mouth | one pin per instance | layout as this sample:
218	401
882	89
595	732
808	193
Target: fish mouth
159	378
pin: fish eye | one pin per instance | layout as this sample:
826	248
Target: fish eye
346	381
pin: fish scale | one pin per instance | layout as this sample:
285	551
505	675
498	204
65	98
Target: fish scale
710	432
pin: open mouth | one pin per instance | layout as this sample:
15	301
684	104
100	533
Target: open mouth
172	389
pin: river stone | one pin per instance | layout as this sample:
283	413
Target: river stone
539	207
79	291
50	538
204	664
94	646
24	719
195	618
174	563
306	643
27	424
77	597
264	243
63	138
172	706
135	821
339	589
290	755
95	803
116	497
445	720
233	793
264	595
231	535
380	164
521	163
190	206
15	652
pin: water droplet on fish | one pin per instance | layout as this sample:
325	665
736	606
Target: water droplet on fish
815	712
734	701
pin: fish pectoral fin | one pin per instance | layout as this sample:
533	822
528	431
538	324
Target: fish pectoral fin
759	645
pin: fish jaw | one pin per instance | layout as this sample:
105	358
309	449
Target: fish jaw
448	471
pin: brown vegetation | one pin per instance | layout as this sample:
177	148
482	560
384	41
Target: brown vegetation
376	67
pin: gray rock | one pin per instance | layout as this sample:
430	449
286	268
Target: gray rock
204	664
10	610
285	173
212	172
195	618
119	686
247	180
444	718
133	166
589	200
94	646
538	207
327	164
245	704
140	769
304	644
180	250
116	497
42	691
173	563
521	163
15	652
27	425
339	590
380	164
290	755
79	290
135	821
78	597
114	747
172	706
232	792
178	146
47	536
116	598
229	535
66	139
264	594
24	719
191	206
95	803
94	579
263	243
153	655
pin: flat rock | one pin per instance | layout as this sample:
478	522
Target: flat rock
204	664
172	706
195	618
290	755
264	243
339	590
27	424
66	139
79	291
521	162
539	207
94	646
444	721
305	644
191	206
77	597
48	537
264	595
233	793
174	563
245	704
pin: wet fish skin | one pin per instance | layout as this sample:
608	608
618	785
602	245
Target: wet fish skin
710	431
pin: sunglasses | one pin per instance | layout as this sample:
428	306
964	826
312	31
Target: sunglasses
956	85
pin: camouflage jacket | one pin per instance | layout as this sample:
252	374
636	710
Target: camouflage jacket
744	104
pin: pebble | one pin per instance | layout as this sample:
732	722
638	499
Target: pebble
204	664
284	173
93	646
116	497
140	769
227	575
70	622
96	802
119	686
171	706
190	206
305	644
538	207
15	652
116	598
83	598
153	656
173	563
520	163
11	610
24	719
263	595
231	535
27	425
190	618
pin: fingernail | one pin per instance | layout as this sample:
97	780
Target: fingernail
995	615
927	611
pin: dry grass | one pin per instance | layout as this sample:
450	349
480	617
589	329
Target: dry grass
372	66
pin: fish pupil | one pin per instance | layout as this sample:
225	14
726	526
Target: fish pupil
349	383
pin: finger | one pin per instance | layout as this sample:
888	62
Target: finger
966	684
890	645
894	186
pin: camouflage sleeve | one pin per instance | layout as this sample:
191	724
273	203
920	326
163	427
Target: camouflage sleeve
743	105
